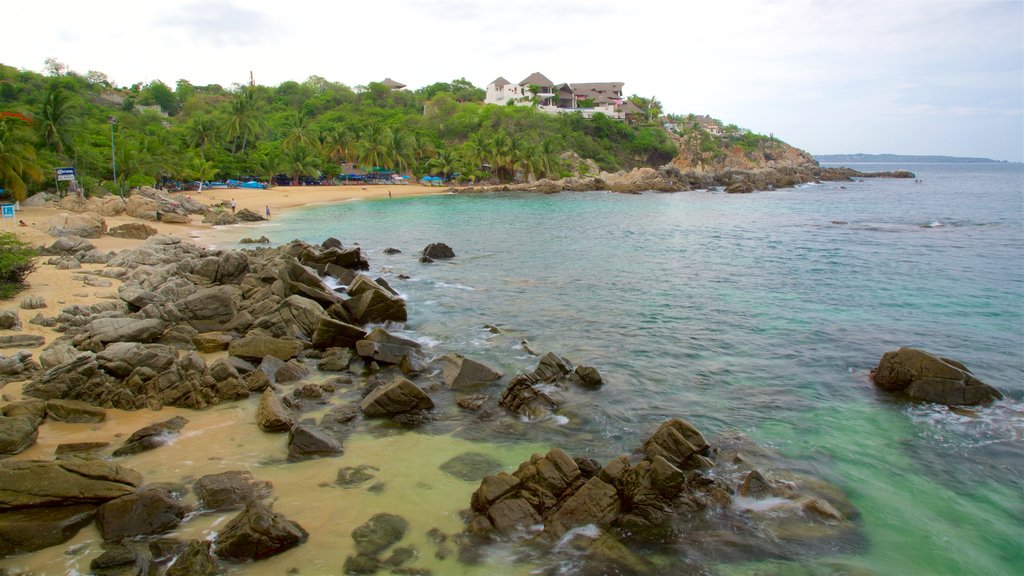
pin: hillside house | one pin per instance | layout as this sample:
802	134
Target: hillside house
604	97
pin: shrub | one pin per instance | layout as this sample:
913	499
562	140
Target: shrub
17	261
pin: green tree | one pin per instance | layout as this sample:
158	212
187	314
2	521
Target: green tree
244	122
18	166
55	117
17	261
299	161
200	131
297	132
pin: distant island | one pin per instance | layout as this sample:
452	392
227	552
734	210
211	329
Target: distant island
905	158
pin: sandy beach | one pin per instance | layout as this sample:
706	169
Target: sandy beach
59	288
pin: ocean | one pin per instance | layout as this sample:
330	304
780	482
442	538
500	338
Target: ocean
760	313
756	314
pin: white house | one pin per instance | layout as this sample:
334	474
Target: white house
604	97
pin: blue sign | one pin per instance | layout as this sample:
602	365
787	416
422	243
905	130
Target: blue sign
7	210
65	174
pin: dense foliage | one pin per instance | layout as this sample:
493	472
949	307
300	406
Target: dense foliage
299	129
16	263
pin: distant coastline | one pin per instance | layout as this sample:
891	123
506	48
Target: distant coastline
901	158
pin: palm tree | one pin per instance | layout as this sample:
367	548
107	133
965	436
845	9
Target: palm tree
202	170
298	133
18	167
401	149
243	122
444	164
299	161
54	116
268	166
372	149
200	130
339	144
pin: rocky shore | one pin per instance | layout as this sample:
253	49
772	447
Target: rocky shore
670	178
197	328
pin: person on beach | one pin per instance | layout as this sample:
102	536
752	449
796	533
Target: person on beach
233	205
267	210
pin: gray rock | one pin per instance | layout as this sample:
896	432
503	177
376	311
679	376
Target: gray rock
9	320
145	513
122	358
352	476
85	225
208	309
228	490
37	528
460	372
331	333
258	533
74	411
398	397
586	376
306	441
17	363
335	360
272	416
152	436
257	346
471	466
31	408
133	230
678	442
384	347
56	354
209	342
379	533
438	251
33	483
69	245
105	330
32	303
923	376
194	560
291	371
17	433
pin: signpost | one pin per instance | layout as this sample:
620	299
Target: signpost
64	174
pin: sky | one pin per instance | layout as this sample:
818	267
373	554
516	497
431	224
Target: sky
901	77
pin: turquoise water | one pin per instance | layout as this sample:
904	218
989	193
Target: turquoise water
761	313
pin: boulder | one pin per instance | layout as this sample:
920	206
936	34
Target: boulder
228	490
69	245
376	305
923	376
398	397
678	442
106	330
438	251
21	341
37	528
384	347
32	303
471	466
9	320
587	377
209	342
331	333
31	408
145	513
194	560
151	437
306	441
74	412
84	225
28	483
379	533
120	359
17	363
258	533
291	371
209	308
460	372
272	416
257	346
133	230
17	433
335	360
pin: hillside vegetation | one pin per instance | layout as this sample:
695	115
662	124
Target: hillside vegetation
302	130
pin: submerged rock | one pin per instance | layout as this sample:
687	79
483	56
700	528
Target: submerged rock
257	533
37	528
378	533
923	376
232	489
148	512
152	436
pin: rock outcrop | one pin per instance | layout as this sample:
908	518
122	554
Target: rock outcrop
923	376
257	533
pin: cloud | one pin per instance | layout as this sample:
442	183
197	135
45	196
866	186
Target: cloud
220	23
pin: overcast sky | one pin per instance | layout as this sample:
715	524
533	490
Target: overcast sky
928	77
